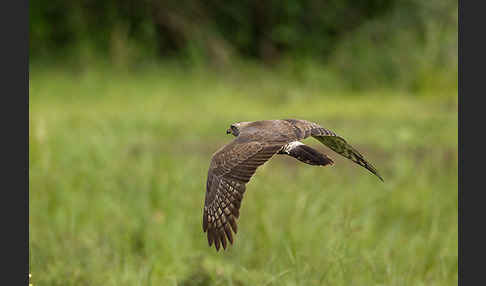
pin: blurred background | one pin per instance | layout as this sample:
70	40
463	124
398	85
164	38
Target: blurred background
129	100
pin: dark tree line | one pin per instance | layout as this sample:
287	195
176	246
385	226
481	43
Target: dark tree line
262	30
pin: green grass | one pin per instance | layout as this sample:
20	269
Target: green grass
118	164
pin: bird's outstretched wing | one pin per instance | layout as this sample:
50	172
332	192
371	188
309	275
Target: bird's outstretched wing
336	143
230	169
340	146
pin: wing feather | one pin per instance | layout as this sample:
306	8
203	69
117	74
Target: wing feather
336	143
230	169
340	146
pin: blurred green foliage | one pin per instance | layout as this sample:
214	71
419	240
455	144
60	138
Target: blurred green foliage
406	44
252	28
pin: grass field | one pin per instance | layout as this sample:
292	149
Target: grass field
118	164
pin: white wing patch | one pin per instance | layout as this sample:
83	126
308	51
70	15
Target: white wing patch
286	148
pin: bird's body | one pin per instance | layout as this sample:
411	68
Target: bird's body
256	142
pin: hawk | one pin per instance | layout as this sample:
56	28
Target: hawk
256	142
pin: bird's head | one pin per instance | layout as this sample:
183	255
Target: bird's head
233	129
236	128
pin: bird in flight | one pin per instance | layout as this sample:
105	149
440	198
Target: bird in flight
256	142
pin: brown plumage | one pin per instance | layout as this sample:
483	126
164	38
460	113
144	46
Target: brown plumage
256	142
